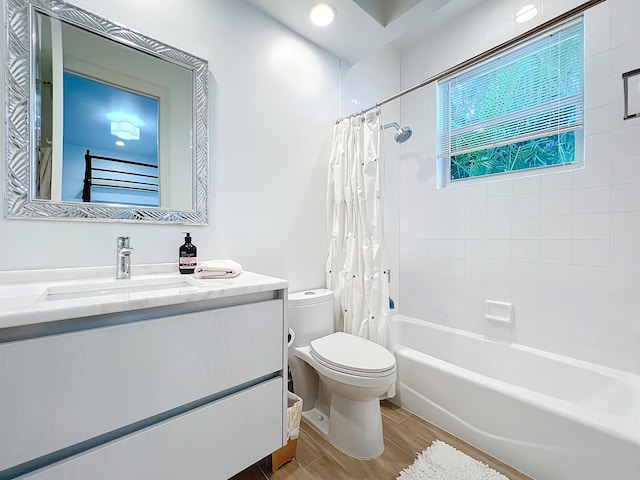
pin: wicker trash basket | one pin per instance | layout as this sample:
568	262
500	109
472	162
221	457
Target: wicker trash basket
288	452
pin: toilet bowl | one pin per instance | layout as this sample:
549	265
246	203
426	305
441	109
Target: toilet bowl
340	377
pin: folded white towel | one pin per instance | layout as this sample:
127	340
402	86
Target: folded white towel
218	269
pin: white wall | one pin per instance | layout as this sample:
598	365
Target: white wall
564	247
273	100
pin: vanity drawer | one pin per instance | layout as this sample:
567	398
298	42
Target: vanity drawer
212	442
60	390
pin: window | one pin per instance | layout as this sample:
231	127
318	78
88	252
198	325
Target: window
521	109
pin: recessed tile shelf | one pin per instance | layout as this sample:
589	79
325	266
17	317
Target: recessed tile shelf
498	311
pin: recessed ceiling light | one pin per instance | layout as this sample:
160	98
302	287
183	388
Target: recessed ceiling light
120	143
526	13
322	14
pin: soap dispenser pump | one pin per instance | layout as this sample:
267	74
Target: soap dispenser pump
187	259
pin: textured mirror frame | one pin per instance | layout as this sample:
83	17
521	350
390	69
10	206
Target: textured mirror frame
631	84
20	111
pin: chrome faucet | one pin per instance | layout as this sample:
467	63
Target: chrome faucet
123	258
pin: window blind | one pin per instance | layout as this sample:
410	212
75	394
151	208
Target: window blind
531	91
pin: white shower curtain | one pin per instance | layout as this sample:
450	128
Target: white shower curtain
356	268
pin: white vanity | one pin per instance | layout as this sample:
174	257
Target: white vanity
162	376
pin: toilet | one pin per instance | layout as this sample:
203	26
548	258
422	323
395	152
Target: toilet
340	377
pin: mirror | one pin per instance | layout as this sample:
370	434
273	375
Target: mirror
103	122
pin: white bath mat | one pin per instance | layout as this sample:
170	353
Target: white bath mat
443	462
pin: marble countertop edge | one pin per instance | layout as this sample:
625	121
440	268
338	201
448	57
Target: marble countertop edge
23	302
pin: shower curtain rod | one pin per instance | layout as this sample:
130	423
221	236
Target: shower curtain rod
487	53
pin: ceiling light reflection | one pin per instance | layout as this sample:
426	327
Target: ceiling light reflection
526	13
125	130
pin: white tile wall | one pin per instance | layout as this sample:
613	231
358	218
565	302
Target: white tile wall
563	247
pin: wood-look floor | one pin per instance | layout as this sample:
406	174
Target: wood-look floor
405	436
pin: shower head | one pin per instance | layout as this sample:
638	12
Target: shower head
402	134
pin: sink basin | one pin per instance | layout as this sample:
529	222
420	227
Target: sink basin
119	287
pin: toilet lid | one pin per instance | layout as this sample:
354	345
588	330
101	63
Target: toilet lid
352	354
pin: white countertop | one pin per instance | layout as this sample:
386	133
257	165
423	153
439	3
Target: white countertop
40	296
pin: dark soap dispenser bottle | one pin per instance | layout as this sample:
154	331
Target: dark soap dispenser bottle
188	258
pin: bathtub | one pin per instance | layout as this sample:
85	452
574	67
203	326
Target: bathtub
549	416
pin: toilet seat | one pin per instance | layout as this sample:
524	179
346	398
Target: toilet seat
352	355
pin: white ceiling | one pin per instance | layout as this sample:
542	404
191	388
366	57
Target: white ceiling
362	27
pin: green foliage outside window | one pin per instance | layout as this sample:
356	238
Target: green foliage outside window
537	153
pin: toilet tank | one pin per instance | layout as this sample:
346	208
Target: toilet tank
310	315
